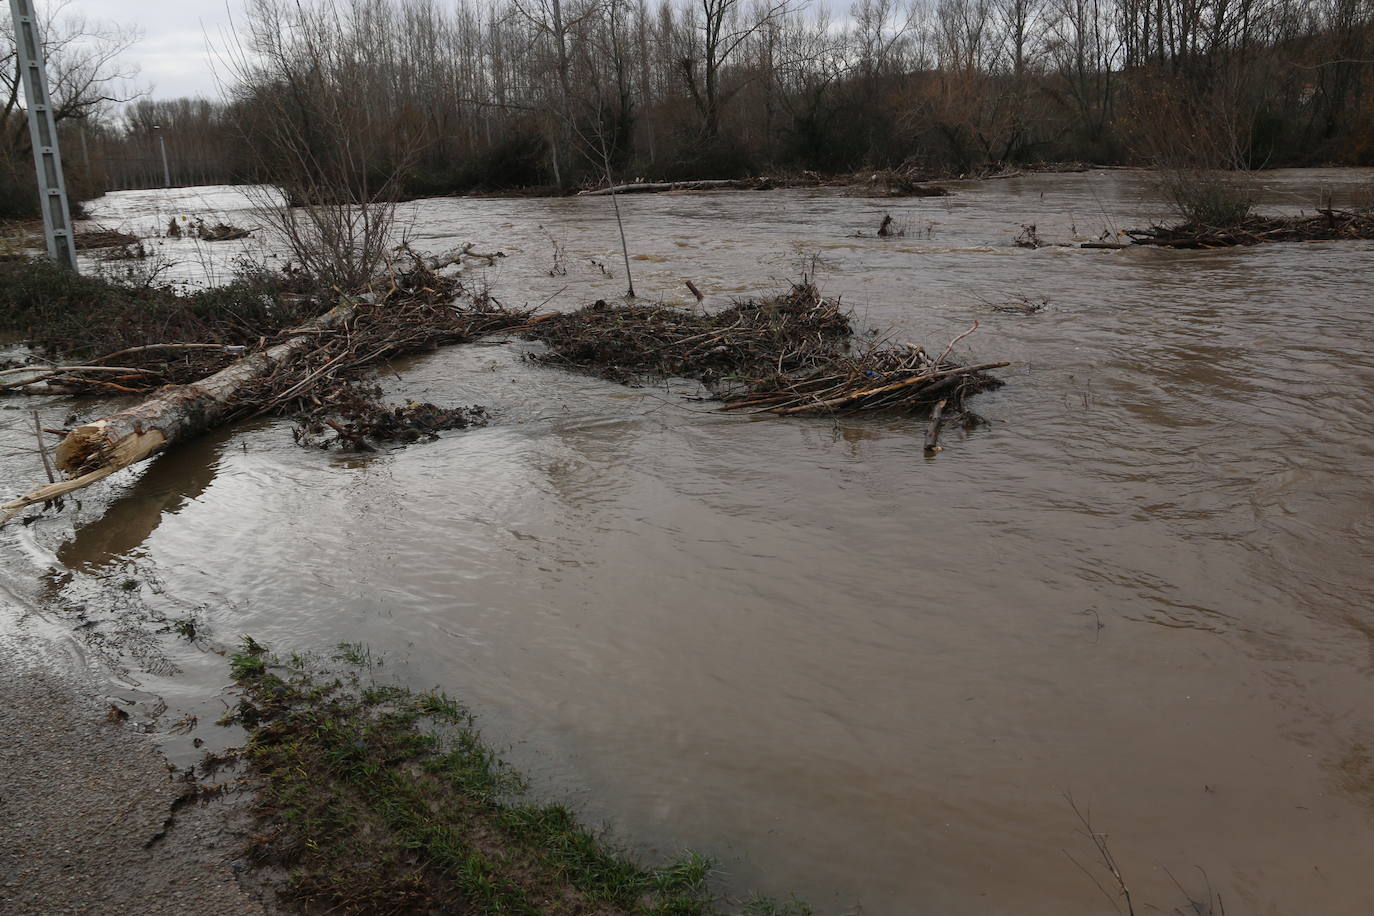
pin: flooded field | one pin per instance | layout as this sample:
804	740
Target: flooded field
843	668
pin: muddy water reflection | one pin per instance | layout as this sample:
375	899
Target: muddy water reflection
849	670
170	481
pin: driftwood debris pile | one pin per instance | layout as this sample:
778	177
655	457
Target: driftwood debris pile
899	183
422	310
310	371
102	238
795	354
1327	225
197	229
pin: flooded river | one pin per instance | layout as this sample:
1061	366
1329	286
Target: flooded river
842	668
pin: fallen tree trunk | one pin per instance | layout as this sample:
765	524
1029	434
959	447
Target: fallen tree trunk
706	184
96	450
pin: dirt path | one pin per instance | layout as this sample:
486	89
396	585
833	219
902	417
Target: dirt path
85	804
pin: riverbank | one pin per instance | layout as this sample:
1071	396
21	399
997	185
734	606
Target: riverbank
349	793
379	799
95	819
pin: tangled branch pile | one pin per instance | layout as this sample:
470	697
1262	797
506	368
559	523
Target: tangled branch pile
318	381
103	238
321	383
794	354
1327	225
310	368
623	342
421	310
898	182
197	229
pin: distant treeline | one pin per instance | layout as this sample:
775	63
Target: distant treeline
543	93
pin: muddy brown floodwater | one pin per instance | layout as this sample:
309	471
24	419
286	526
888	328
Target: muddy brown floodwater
843	668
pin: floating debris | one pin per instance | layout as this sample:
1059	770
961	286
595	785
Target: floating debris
1327	226
103	238
794	354
359	420
899	183
1021	305
221	232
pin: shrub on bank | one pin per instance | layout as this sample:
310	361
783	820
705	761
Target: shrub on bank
58	311
1207	197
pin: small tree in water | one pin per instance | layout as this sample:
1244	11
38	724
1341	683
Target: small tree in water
1207	197
1199	144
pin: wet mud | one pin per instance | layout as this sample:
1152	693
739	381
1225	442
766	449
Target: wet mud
94	820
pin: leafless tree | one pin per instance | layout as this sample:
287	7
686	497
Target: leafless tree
86	72
723	27
499	93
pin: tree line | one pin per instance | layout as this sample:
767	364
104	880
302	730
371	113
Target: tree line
436	98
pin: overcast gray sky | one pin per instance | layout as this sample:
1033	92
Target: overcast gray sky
173	56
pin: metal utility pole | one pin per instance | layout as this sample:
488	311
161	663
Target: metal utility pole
166	172
47	160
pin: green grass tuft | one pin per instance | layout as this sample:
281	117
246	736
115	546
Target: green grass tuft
378	799
355	654
767	906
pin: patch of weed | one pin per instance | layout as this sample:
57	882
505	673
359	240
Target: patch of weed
379	799
355	654
78	316
248	663
767	906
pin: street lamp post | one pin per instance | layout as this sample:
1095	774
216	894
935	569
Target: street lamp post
166	172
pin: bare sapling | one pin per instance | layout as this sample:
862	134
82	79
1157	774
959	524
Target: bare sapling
624	247
603	149
600	147
333	163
